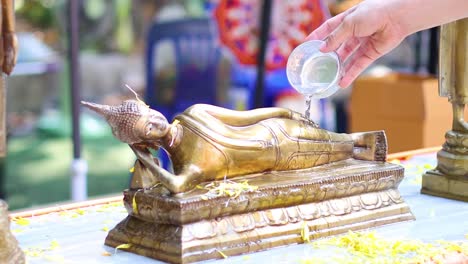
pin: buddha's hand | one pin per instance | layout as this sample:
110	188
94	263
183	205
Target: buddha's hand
144	155
299	117
9	52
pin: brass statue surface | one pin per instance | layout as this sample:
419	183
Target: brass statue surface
450	178
208	143
304	177
10	253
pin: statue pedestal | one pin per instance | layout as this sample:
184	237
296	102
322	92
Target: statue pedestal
438	184
450	178
325	200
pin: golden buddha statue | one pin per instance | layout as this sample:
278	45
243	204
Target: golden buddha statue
298	175
208	143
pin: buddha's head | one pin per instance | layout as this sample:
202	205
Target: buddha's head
133	121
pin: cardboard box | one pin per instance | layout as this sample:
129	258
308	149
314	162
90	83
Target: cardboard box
407	107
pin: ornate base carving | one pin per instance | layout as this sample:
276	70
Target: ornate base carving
246	233
436	183
187	228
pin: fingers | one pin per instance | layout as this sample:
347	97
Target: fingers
329	26
363	57
326	28
340	35
348	48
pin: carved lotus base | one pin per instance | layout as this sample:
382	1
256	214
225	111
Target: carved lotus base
329	200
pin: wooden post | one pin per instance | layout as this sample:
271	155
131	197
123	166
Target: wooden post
3	132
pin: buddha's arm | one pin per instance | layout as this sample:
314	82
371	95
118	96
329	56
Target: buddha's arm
174	183
241	118
10	43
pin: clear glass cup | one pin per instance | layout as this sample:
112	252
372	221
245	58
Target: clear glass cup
313	73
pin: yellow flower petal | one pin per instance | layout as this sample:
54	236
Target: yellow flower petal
305	233
134	204
54	245
80	211
22	221
222	254
123	246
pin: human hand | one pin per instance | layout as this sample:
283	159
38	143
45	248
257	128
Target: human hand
361	35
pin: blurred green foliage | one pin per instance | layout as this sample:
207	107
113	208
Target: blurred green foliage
36	12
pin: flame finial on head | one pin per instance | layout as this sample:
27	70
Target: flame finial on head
122	118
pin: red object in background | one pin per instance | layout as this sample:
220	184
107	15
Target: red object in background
291	21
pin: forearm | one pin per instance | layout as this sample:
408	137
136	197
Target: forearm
417	15
182	182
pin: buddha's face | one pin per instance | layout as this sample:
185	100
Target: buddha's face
152	126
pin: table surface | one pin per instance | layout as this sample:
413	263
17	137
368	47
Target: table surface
77	235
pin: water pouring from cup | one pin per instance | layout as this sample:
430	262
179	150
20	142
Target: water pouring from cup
313	73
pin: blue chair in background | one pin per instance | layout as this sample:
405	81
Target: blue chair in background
197	56
276	82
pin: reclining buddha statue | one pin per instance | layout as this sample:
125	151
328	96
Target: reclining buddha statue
207	143
246	181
